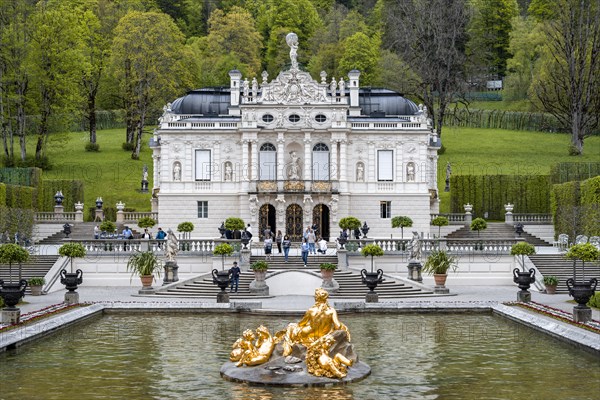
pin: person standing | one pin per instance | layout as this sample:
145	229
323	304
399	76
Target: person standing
268	243
286	243
278	239
322	246
234	272
311	239
304	251
146	234
96	232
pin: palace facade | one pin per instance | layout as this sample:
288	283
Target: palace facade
293	152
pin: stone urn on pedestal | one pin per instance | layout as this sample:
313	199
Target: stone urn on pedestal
372	279
222	278
259	285
579	288
523	277
12	292
71	279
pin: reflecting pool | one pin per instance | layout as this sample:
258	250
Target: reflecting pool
414	356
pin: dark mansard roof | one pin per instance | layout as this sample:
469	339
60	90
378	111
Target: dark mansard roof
374	102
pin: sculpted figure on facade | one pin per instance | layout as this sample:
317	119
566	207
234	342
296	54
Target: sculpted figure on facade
292	41
246	89
177	172
254	88
360	172
228	176
253	205
294	169
410	172
342	86
332	86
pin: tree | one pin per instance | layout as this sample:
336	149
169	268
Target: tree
439	221
372	250
489	33
570	79
349	223
478	224
430	36
402	222
72	250
150	63
13	253
361	53
522	249
54	63
223	250
584	252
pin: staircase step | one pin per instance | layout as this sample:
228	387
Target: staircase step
562	268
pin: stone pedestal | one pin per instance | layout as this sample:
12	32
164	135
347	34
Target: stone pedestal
71	297
441	290
372	297
11	316
59	211
99	214
171	269
524	296
244	262
582	314
329	283
414	271
342	256
223	297
144	186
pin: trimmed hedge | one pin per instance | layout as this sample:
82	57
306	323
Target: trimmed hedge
500	119
489	193
21	176
576	207
590	202
13	220
20	196
574	171
71	189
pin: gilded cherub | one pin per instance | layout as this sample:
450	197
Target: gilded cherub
320	363
242	345
261	350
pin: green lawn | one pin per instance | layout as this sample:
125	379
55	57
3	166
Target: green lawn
504	105
499	151
112	173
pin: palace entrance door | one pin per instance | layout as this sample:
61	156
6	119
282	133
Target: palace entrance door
293	222
321	220
267	218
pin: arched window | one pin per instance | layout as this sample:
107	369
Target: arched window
267	162
320	167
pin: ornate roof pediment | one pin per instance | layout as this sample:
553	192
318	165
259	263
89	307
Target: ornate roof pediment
294	87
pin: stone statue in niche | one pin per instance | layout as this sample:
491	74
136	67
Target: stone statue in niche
177	172
360	172
410	172
294	169
228	176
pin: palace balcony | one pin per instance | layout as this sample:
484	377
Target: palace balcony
294	186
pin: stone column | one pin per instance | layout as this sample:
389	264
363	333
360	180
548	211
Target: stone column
217	167
253	170
155	170
307	173
281	170
334	166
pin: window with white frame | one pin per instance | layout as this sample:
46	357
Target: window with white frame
203	165
320	166
385	208
385	165
203	209
267	162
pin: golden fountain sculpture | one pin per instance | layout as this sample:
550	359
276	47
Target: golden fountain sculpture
319	337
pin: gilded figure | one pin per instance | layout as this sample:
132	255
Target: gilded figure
319	361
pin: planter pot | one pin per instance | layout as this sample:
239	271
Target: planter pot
524	279
327	274
71	279
372	279
36	290
221	279
147	281
440	279
582	291
12	293
258	285
551	289
329	283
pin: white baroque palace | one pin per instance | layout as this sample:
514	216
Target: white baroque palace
293	152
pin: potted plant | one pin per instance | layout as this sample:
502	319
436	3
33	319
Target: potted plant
144	264
327	270
185	228
258	285
551	283
439	221
582	290
347	223
523	278
10	292
146	222
438	263
235	225
36	284
371	279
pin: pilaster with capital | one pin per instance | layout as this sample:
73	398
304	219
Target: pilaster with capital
245	165
217	164
253	168
372	161
335	165
307	156
308	209
343	160
280	156
280	208
155	170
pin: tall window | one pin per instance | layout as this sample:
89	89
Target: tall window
320	167
203	209
267	162
385	165
203	165
385	208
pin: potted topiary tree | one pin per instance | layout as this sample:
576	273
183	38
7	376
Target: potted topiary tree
327	271
582	290
221	278
71	279
36	284
523	278
438	263
372	279
347	223
144	264
146	222
185	228
439	221
551	282
10	292
401	222
478	225
108	226
235	225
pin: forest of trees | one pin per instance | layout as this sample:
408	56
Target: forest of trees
63	60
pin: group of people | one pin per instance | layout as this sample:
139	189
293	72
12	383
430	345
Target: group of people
127	233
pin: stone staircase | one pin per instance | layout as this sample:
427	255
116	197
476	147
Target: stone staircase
557	265
496	230
37	266
351	286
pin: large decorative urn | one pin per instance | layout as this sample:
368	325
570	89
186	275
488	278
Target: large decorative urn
71	279
524	279
221	279
12	293
372	279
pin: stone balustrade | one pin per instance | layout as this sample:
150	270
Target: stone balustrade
132	217
536	219
186	246
57	217
454	246
453	218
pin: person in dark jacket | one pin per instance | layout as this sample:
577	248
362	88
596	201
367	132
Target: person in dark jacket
234	272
